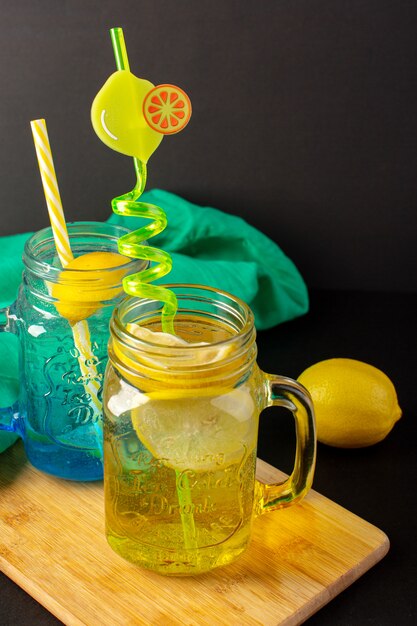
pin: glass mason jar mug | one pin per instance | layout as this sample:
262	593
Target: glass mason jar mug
181	429
61	320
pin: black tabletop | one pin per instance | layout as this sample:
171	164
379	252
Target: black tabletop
377	483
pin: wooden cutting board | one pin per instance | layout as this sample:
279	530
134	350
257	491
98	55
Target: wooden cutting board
52	545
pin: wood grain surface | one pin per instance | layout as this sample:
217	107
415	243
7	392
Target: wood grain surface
52	545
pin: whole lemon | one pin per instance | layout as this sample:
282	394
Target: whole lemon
355	403
86	282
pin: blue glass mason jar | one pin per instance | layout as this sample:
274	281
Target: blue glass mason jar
61	361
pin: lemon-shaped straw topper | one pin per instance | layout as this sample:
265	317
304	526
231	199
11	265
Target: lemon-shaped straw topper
118	119
131	115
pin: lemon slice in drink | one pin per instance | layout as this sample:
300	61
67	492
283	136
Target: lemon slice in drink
197	433
86	282
193	428
174	373
203	357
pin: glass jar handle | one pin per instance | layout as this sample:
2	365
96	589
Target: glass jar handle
4	319
8	414
288	393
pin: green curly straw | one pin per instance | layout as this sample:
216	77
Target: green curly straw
134	284
130	244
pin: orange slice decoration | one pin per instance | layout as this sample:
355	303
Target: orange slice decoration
167	109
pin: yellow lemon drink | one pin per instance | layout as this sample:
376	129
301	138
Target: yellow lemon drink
181	451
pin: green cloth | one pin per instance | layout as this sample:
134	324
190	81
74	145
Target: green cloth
213	248
208	247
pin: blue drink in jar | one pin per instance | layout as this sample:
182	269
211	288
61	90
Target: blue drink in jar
60	320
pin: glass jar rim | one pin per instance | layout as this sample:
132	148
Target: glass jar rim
43	240
242	312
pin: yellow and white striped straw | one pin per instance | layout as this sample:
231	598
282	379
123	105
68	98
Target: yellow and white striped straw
80	330
51	191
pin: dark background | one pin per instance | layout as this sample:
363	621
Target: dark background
304	120
304	123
